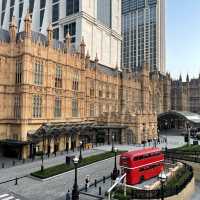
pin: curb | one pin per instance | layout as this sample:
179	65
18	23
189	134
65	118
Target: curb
47	179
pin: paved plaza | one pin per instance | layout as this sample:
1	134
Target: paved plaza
56	187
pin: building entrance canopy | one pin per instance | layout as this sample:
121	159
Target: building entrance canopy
187	116
69	129
178	120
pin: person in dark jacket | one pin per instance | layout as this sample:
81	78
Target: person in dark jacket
68	196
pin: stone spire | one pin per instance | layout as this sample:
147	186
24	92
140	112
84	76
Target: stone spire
187	78
27	25
96	60
50	34
13	29
68	41
180	78
88	54
82	46
87	59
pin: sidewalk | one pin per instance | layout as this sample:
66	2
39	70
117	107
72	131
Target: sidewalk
6	162
26	168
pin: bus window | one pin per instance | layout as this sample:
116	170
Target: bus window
136	158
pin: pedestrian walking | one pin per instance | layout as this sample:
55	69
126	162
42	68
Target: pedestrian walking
87	181
68	195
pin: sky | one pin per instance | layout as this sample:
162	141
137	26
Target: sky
183	38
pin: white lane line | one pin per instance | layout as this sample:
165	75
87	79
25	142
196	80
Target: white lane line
4	195
9	198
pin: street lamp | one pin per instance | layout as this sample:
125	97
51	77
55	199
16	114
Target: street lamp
166	124
154	142
115	171
42	165
158	131
162	177
144	136
188	129
80	156
75	192
113	137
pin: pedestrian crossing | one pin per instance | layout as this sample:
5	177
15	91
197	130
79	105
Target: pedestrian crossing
8	197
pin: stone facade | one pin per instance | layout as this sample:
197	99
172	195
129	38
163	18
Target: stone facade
45	81
185	96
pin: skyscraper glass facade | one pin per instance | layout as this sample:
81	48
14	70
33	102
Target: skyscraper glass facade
143	34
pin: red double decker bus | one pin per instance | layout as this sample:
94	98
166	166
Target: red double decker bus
141	164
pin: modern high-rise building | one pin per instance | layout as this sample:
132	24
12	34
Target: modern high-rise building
143	31
98	21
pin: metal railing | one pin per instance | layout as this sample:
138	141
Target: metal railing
181	155
170	190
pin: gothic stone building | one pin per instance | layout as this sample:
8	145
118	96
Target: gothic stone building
185	96
53	96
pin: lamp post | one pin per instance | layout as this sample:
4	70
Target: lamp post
188	130
166	124
144	136
113	137
80	155
75	192
115	171
154	142
158	131
42	165
162	177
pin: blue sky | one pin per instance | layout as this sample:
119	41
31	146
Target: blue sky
183	37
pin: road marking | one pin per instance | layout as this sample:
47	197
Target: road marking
7	197
4	195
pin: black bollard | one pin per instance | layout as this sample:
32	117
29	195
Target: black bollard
100	190
16	181
111	175
95	183
23	161
104	179
3	165
13	163
85	187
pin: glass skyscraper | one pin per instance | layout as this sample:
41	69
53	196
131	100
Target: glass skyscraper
143	30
